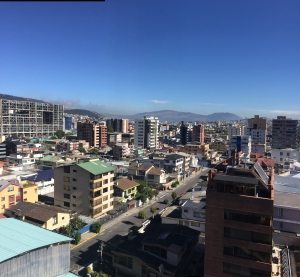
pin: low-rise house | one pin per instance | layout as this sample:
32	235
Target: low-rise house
190	212
174	164
27	250
125	189
45	216
153	175
162	250
13	191
44	179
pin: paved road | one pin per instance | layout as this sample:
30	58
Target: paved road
86	252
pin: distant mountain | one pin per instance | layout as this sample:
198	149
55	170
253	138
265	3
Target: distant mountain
18	98
175	116
84	112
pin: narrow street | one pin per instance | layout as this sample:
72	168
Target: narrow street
85	253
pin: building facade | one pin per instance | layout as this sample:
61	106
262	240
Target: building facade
92	132
146	133
85	187
198	134
24	118
284	133
239	219
241	144
257	130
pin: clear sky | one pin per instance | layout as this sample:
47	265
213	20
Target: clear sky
127	56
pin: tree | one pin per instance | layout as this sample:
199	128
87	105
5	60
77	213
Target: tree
96	227
81	149
59	134
174	195
94	151
153	210
141	215
143	191
77	238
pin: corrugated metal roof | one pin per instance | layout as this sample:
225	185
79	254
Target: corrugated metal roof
18	237
96	167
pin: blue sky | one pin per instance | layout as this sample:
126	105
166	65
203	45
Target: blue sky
127	56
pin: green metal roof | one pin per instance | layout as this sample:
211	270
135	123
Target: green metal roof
18	237
51	158
96	167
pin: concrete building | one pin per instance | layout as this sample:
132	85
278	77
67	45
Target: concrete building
27	250
285	155
174	163
241	144
85	187
239	219
12	192
257	130
45	216
162	250
118	125
92	132
125	189
146	133
284	133
113	138
29	118
121	151
198	134
186	133
235	130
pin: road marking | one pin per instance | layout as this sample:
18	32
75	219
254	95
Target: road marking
162	196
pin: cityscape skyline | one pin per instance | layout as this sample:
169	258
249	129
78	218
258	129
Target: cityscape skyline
198	57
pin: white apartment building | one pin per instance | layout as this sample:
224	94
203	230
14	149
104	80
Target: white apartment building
241	144
235	130
146	133
257	130
285	155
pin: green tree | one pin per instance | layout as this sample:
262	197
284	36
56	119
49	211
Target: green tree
153	210
141	215
143	191
94	151
96	227
81	149
174	195
59	134
77	238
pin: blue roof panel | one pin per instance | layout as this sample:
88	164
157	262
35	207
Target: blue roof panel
18	237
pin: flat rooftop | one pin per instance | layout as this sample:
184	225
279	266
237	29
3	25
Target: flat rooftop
287	199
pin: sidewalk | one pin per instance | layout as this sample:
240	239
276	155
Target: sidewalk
89	235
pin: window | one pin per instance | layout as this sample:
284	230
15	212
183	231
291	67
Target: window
25	191
25	199
185	211
74	170
55	220
196	214
66	169
74	205
105	190
74	196
11	188
2	198
66	195
66	204
281	153
74	179
66	179
74	188
195	224
3	206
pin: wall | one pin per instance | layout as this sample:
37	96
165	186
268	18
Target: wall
47	262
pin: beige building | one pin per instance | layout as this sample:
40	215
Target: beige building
85	187
125	189
12	192
45	216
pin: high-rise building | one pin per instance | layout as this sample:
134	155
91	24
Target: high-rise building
146	133
198	134
92	132
68	120
239	218
284	133
241	144
186	133
257	130
29	118
117	125
235	130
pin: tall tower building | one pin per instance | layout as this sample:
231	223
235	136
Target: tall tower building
257	130
284	133
146	133
198	134
92	132
235	130
239	216
241	144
